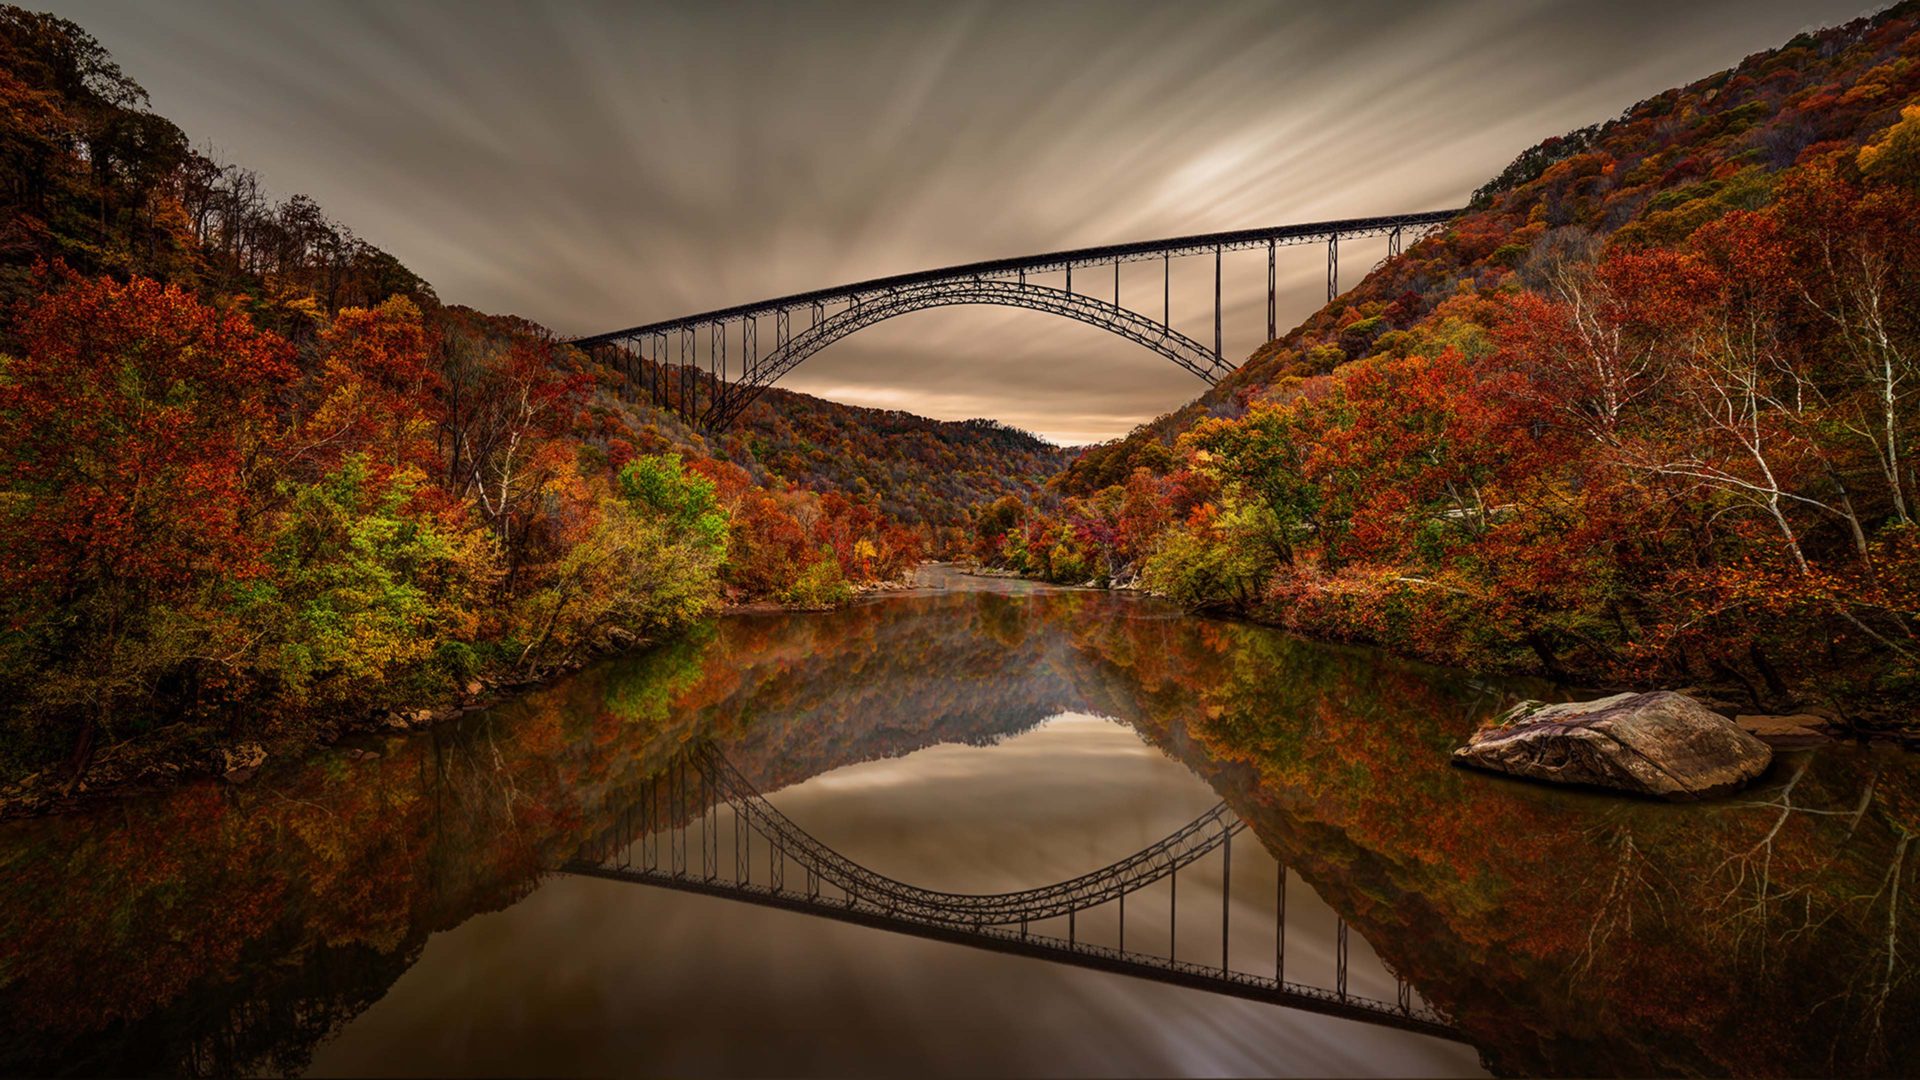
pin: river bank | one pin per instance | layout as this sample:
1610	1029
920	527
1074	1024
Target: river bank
171	756
1779	721
175	754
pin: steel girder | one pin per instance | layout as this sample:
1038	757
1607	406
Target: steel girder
730	399
1284	235
707	399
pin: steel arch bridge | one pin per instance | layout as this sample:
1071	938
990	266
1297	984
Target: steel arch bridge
709	367
648	845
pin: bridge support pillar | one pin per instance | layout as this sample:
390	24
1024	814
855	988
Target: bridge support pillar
1272	329
1173	915
1340	958
1216	301
1226	897
1333	267
1166	290
689	359
1280	928
660	369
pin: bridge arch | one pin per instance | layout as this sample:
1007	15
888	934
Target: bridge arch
715	403
664	360
867	311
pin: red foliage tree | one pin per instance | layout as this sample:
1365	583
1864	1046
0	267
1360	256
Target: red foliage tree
132	430
377	392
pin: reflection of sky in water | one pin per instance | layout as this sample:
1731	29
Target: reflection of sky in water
589	976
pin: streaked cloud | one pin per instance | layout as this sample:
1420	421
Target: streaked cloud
593	166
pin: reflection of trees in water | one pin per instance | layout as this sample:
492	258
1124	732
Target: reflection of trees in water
866	683
241	926
1633	883
263	1024
1565	932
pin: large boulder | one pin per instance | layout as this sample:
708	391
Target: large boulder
1663	744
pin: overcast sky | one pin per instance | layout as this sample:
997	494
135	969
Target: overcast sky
594	166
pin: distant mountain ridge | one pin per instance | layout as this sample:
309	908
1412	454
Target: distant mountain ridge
920	471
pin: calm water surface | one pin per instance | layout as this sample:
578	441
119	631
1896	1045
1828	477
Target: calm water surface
401	914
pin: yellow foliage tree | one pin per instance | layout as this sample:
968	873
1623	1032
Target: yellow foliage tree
1895	157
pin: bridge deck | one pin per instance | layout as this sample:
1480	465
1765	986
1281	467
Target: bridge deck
1081	954
1054	260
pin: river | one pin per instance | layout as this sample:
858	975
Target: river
401	905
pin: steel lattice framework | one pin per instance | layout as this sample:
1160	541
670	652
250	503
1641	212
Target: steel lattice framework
711	386
648	846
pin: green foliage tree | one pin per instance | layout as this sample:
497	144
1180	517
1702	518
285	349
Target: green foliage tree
650	563
819	585
1219	560
661	483
367	589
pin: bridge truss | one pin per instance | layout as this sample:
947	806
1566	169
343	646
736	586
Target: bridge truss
710	367
649	845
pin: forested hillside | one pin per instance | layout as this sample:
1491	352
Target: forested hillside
918	471
256	480
1645	414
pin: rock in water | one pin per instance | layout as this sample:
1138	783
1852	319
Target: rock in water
1781	732
240	763
1662	744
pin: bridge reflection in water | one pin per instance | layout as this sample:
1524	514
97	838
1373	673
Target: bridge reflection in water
748	851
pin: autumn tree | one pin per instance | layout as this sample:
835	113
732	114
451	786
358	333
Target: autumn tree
647	563
1857	264
376	395
512	401
133	424
369	589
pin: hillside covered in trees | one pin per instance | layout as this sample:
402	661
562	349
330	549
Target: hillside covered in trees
257	480
1645	414
920	472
